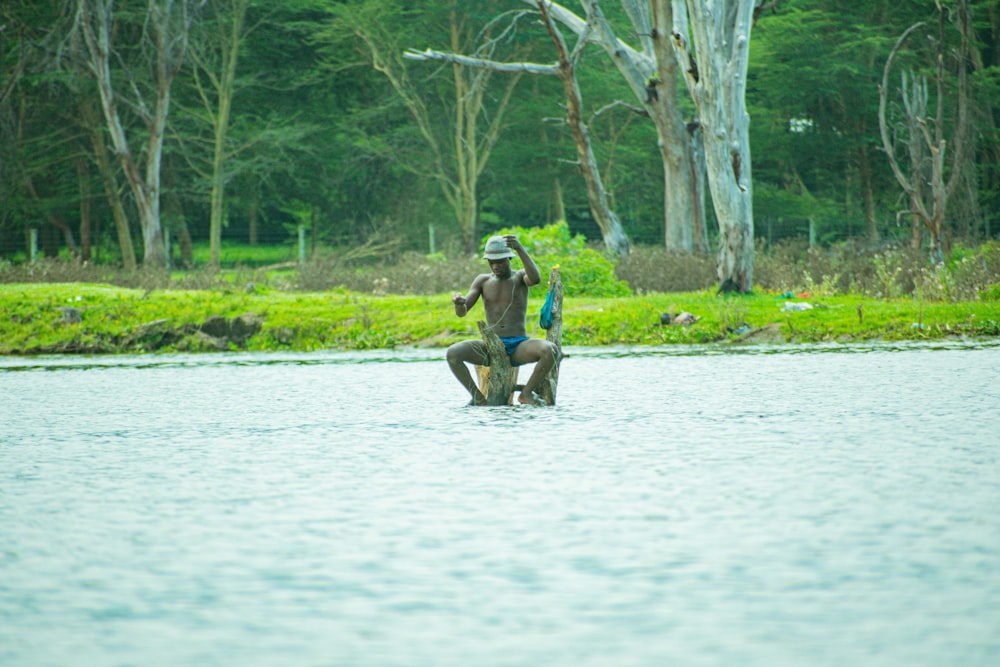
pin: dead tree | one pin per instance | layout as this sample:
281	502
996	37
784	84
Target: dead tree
714	39
924	137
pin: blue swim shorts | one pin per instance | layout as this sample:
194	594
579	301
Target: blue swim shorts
510	344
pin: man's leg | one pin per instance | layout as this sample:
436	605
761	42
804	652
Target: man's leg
468	352
540	352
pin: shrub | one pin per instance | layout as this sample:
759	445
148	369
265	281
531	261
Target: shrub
889	272
653	269
583	269
412	273
778	267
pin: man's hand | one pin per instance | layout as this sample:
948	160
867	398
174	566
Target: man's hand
513	243
458	299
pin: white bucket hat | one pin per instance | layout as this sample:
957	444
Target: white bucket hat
496	248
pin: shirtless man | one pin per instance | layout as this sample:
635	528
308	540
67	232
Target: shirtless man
505	300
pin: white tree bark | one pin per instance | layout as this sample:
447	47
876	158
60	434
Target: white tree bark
650	72
168	22
105	166
717	53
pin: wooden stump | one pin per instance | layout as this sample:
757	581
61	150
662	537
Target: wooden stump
549	384
498	381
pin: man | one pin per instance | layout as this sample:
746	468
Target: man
505	300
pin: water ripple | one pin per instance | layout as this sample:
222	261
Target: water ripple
705	507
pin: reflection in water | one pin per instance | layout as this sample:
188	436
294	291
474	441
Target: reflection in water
684	506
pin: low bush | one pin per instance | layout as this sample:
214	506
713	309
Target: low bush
412	273
649	269
794	267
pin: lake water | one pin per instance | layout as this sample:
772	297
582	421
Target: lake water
694	506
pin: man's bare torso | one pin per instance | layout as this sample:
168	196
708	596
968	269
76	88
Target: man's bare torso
505	301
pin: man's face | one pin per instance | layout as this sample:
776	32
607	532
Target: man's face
500	267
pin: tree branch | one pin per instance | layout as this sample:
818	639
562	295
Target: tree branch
883	95
618	103
764	7
482	63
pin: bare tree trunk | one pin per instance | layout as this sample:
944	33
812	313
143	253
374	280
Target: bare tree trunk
168	21
698	169
253	211
928	206
549	387
215	59
615	239
651	75
683	214
83	178
187	247
94	19
716	79
558	205
868	194
114	198
111	189
174	217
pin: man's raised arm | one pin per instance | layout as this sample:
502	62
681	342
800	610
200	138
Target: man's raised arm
531	274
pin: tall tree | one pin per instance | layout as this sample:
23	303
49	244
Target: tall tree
985	53
214	61
248	115
165	28
651	72
708	42
932	178
615	239
458	150
90	116
718	53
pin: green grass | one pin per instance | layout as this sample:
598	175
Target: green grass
118	319
233	253
636	320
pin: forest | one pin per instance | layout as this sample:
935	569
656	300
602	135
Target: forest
134	132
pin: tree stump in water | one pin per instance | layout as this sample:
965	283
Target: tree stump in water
548	385
498	381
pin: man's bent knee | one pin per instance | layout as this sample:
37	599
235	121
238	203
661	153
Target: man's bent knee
535	350
549	351
465	352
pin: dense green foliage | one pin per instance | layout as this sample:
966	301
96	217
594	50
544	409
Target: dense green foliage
323	131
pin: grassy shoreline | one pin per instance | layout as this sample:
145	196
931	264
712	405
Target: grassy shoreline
72	318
